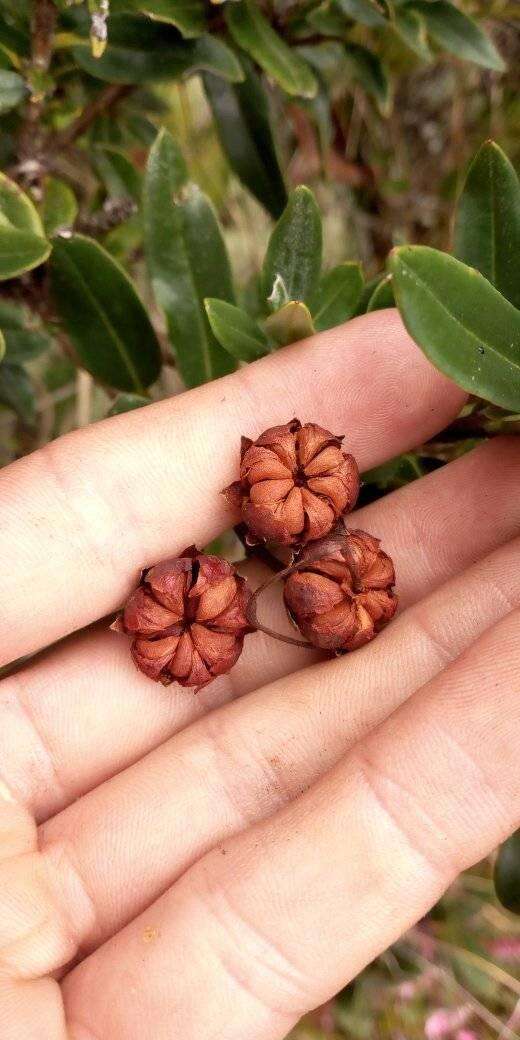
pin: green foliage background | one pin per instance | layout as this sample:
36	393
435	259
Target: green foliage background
188	185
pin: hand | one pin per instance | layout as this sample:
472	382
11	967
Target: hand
214	866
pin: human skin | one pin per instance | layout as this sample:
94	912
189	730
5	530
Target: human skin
215	865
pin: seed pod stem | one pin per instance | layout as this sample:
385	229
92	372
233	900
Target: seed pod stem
251	610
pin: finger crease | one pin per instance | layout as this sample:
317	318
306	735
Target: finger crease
42	755
435	855
77	905
442	650
253	961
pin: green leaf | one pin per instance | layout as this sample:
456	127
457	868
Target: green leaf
368	12
166	173
328	58
254	34
507	873
290	324
463	325
459	34
17	393
127	403
22	245
103	315
487	226
12	315
17	208
328	20
2	345
12	90
337	296
295	249
25	344
142	51
241	113
367	293
239	334
187	261
20	251
382	296
411	27
14	41
187	15
367	69
59	207
120	177
396	473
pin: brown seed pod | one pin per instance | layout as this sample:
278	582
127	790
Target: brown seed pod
295	481
188	619
340	594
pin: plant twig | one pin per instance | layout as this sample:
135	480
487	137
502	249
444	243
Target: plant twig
30	147
102	103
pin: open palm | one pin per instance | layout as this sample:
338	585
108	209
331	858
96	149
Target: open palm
214	866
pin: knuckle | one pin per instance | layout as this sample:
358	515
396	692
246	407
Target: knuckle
250	960
418	833
27	757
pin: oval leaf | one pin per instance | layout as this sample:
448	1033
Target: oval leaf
243	124
294	253
20	251
411	28
254	34
2	345
507	873
103	315
22	242
368	12
463	325
457	33
12	90
120	177
382	296
239	334
17	393
127	403
290	324
337	296
187	262
366	68
188	16
25	344
487	227
16	207
59	206
141	51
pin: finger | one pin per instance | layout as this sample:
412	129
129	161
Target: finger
81	517
60	734
30	936
301	902
242	762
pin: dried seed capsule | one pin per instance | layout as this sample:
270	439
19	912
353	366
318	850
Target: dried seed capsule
188	619
342	596
295	481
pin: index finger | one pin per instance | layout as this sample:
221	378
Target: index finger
82	516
